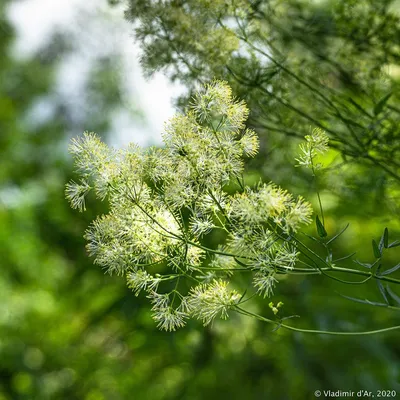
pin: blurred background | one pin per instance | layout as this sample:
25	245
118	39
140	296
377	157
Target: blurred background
67	330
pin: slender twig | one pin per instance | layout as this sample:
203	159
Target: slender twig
314	331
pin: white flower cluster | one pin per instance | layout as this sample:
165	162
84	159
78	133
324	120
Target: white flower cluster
164	202
271	203
206	301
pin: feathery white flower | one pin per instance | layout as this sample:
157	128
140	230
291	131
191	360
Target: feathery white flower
249	143
167	317
299	213
76	193
207	301
264	282
201	225
139	280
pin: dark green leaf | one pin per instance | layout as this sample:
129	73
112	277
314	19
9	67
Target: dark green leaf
329	256
344	258
312	237
377	252
277	327
389	271
320	228
371	303
381	103
366	265
337	235
393	295
386	238
241	263
378	270
290	316
270	75
360	108
382	241
241	298
383	291
394	244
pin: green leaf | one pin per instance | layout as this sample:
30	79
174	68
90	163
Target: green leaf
393	295
241	298
290	316
277	327
377	252
345	258
311	237
241	263
366	265
329	256
383	291
360	108
386	238
378	270
391	270
371	303
382	241
320	228
394	244
381	103
337	235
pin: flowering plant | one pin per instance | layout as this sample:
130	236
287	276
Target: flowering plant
166	202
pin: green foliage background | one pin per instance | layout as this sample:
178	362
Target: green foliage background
67	331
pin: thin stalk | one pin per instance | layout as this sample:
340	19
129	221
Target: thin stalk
316	189
314	331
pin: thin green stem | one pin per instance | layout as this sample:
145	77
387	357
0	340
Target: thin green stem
369	275
314	331
316	188
332	268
